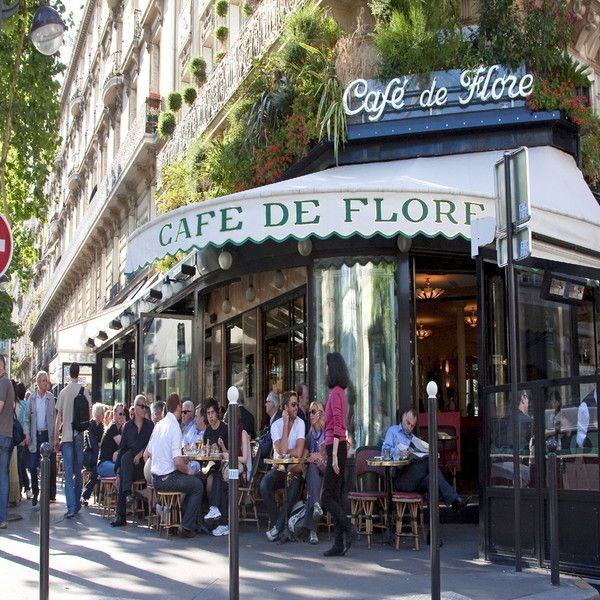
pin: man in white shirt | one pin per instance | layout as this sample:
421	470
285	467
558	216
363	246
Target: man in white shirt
288	434
170	471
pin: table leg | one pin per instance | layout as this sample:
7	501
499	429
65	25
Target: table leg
389	534
285	533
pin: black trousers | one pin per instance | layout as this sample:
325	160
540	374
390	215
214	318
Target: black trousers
128	473
331	496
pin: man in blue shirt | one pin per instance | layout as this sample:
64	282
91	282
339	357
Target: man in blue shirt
414	477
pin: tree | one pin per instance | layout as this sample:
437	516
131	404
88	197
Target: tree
29	112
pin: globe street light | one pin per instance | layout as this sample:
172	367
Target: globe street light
47	26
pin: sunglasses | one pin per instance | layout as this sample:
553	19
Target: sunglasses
293	404
314	411
185	412
141	406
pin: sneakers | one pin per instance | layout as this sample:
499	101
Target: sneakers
220	530
3	525
273	534
213	513
70	515
317	510
314	538
159	509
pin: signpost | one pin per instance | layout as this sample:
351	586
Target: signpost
513	211
6	245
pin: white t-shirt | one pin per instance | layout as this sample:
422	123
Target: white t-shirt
298	431
165	445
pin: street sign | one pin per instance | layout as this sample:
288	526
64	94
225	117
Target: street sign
483	231
521	246
520	193
6	245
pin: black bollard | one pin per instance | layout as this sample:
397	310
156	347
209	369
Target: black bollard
234	533
552	446
45	449
434	508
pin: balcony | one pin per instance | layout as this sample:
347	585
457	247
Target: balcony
113	81
73	178
261	32
76	103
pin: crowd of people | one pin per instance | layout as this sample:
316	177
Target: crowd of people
151	443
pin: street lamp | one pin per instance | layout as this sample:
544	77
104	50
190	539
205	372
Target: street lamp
47	26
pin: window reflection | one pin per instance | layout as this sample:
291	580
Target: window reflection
356	316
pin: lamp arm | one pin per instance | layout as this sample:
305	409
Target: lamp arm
8	10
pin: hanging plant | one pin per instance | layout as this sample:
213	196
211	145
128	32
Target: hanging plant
198	70
166	124
247	8
221	8
219	56
189	95
221	32
174	101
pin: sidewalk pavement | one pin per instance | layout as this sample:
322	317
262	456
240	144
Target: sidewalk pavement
91	560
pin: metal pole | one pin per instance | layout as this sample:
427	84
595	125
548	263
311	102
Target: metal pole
434	504
512	361
234	533
552	446
45	520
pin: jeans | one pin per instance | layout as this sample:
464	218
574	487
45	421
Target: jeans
275	480
331	496
191	486
106	469
6	446
314	484
73	463
34	463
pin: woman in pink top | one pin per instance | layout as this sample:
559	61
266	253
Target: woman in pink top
335	445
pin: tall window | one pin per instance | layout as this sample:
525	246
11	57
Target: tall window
356	316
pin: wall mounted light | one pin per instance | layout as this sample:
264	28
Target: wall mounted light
251	291
225	260
167	289
305	247
226	306
278	279
127	318
403	243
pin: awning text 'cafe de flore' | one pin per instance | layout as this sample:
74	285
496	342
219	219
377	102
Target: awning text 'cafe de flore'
371	257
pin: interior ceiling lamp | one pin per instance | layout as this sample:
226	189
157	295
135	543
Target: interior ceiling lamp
115	324
185	272
472	319
47	30
153	296
428	292
102	335
225	260
423	333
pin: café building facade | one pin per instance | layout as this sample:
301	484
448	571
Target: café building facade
374	257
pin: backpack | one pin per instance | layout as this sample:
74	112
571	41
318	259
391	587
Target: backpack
297	515
81	412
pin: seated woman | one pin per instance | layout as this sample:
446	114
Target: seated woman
91	449
109	446
316	468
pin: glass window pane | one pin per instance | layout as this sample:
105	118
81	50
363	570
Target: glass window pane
277	319
167	354
235	365
585	338
356	316
496	333
501	439
249	353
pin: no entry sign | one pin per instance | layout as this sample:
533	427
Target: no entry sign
6	245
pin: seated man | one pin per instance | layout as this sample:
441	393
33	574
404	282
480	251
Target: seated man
170	472
215	436
158	411
195	434
414	477
129	463
187	416
288	438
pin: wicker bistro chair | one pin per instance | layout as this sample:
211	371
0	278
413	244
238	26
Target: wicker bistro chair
408	507
170	514
108	496
369	501
249	496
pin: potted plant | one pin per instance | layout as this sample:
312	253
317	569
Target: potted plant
221	8
247	8
221	32
198	70
174	101
166	124
189	95
219	56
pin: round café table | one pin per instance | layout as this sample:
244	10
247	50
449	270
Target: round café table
387	466
286	463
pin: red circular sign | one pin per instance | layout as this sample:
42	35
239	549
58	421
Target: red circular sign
6	245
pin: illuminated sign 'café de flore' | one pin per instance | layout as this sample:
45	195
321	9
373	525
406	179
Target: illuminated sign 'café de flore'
372	257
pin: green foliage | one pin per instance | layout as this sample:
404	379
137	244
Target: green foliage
174	101
29	112
166	124
221	32
247	8
198	70
331	115
8	329
221	7
189	94
220	55
425	37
